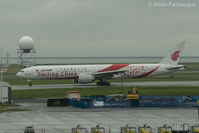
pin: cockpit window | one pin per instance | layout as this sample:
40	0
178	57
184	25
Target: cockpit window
22	71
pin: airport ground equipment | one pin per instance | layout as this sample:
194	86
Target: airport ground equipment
120	101
164	129
57	102
98	129
79	129
5	92
29	129
132	99
180	128
168	101
145	129
194	129
128	129
104	102
134	94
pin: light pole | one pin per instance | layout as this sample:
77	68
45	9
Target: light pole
1	75
1	64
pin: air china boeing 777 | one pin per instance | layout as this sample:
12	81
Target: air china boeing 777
88	73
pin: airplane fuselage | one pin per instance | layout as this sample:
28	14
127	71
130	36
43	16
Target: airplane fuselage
73	71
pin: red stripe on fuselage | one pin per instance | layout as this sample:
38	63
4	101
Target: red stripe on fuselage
114	67
146	74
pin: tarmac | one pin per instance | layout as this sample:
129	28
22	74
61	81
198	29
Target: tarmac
62	119
151	83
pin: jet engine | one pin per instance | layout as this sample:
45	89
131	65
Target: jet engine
84	79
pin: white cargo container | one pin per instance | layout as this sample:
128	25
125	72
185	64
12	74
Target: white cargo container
5	92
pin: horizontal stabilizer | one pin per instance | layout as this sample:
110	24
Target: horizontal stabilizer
179	67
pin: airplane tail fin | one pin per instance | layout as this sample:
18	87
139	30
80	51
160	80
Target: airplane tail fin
173	57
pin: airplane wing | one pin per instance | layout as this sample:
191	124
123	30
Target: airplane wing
109	73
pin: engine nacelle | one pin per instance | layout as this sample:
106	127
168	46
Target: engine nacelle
84	79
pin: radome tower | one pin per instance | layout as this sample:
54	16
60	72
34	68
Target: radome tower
26	52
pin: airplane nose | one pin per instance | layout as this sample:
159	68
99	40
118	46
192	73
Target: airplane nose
19	74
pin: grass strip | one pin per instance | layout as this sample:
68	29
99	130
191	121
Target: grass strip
143	91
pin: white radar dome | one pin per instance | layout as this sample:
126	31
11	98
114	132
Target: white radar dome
26	43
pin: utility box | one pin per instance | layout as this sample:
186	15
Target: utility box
128	129
5	92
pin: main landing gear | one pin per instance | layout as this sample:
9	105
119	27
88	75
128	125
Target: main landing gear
29	82
103	83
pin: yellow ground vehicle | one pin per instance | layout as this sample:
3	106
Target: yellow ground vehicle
133	94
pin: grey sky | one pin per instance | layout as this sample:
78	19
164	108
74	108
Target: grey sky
99	27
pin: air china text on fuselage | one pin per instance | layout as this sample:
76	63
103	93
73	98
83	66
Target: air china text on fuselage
89	73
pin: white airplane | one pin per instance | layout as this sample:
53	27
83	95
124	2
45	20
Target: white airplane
84	74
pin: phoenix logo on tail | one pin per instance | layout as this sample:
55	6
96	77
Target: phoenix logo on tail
175	55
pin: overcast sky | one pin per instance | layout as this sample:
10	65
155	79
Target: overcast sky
100	27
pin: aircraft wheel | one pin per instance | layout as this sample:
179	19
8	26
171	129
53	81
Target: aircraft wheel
103	83
108	83
30	84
